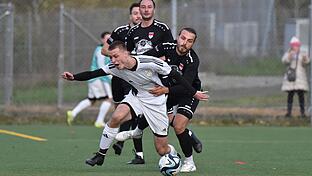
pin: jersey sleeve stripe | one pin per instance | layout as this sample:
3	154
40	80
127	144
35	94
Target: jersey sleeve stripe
110	66
120	27
162	24
151	61
145	60
169	43
190	56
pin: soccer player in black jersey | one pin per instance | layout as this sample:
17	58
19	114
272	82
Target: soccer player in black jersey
120	87
149	33
180	55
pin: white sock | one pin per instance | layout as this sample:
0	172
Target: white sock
108	136
172	150
140	154
81	106
189	159
103	111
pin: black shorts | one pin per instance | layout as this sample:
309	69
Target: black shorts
186	105
120	89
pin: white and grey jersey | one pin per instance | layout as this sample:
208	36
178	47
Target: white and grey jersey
144	78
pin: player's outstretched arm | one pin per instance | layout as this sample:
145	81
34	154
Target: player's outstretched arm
84	76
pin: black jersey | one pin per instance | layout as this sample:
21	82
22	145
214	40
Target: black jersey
119	34
187	64
120	88
140	40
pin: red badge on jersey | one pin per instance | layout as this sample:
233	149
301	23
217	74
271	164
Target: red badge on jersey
150	35
181	66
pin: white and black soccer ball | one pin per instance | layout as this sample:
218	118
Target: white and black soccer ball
170	164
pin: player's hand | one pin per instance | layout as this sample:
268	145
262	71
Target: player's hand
159	90
68	76
201	95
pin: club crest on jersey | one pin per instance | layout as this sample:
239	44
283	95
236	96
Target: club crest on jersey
150	35
148	73
181	66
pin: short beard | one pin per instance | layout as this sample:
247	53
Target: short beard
147	19
180	52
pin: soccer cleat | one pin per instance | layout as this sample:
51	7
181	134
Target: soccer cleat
70	117
125	135
196	143
97	159
117	148
99	124
137	159
188	167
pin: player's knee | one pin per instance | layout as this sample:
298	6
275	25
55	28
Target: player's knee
178	128
116	119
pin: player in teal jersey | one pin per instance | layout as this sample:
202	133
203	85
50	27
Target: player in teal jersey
99	89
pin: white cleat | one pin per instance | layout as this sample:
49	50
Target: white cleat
188	167
125	135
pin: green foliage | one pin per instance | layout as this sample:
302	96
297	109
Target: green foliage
275	100
252	67
44	94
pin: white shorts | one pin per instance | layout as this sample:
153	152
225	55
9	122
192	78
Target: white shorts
98	89
156	115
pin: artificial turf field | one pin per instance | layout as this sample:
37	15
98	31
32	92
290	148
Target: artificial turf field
261	151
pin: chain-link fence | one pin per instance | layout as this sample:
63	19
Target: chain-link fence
240	44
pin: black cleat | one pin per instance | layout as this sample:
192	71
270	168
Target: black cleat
197	145
117	148
97	159
137	160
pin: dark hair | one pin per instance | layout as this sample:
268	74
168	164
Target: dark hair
117	44
188	29
133	5
151	0
103	34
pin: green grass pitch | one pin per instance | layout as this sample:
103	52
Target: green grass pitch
228	151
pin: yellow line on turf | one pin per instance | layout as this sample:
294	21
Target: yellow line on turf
22	135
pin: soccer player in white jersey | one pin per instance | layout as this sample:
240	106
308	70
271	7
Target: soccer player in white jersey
142	72
99	89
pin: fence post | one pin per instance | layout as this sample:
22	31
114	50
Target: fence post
174	18
73	44
309	53
29	41
60	61
8	69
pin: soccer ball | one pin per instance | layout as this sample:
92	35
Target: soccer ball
170	164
